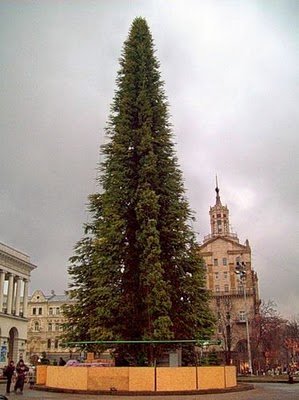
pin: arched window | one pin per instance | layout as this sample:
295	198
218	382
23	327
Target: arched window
36	326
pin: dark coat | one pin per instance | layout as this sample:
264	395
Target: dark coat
8	371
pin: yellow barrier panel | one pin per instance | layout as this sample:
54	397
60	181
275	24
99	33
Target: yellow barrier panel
41	374
67	377
176	378
142	379
230	376
211	378
108	378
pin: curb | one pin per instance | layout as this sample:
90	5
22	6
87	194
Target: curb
241	387
266	381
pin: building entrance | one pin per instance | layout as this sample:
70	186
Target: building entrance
13	344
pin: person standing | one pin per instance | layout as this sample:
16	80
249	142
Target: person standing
21	372
61	362
8	372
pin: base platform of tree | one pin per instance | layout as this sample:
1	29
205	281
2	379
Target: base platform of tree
120	380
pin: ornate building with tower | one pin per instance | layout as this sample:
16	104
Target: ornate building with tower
15	270
235	298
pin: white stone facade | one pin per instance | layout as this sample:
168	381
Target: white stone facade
15	270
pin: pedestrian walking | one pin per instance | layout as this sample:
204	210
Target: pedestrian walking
21	370
8	372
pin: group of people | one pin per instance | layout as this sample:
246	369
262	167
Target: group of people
20	369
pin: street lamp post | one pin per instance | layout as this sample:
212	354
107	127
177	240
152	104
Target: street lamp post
241	272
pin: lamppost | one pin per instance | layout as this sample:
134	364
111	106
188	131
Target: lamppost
240	270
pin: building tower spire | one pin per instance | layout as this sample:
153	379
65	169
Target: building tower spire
219	218
217	190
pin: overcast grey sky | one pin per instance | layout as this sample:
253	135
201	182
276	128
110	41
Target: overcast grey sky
231	76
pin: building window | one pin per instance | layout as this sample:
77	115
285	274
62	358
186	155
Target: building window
49	343
226	288
217	288
50	311
224	261
218	215
56	343
57	327
242	316
216	275
50	327
225	275
240	289
40	311
219	225
215	262
34	311
57	310
36	326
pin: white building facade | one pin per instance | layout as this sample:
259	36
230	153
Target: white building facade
15	270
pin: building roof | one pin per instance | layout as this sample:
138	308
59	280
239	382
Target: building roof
53	297
58	297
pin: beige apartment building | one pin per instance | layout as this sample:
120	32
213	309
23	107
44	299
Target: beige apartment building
235	300
15	270
45	326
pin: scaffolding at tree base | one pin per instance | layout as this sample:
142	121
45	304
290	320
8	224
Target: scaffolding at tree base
172	349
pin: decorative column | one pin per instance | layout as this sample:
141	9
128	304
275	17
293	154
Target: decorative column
10	292
2	278
18	295
25	298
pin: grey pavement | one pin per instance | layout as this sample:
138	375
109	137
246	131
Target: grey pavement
262	391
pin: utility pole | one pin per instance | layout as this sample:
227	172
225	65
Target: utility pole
240	270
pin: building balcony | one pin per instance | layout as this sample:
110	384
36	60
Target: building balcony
235	292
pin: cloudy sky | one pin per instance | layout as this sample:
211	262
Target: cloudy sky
231	75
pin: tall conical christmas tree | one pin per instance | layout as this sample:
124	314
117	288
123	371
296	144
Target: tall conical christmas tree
137	274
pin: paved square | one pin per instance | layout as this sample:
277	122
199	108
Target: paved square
262	391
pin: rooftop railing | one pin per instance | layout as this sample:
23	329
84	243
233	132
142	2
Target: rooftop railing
233	236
